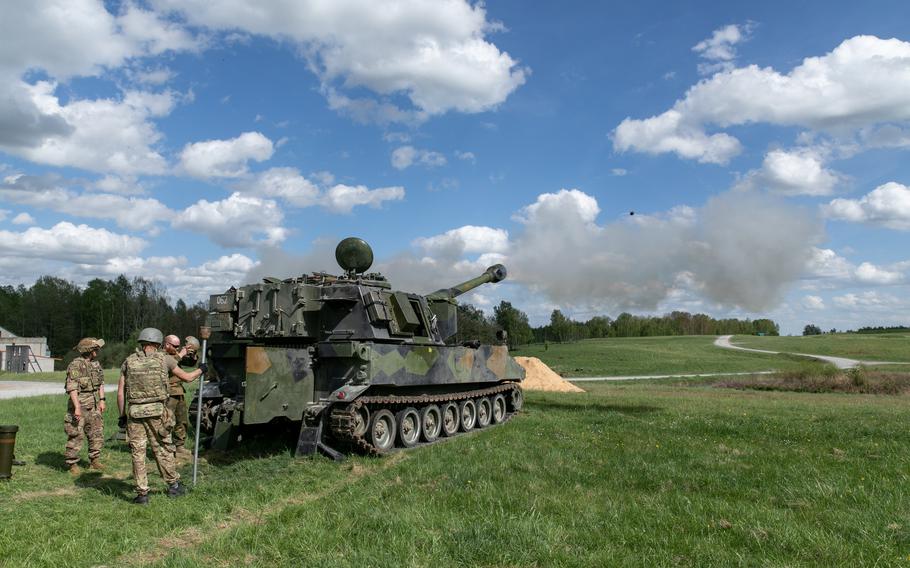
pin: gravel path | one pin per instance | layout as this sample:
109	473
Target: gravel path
18	389
839	362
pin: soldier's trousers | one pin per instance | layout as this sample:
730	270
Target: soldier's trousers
176	404
91	426
155	433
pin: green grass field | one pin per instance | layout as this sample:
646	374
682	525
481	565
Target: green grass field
873	347
652	356
625	474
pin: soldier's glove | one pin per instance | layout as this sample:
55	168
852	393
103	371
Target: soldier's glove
121	422
204	368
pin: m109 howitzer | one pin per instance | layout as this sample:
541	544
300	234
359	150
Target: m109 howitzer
361	366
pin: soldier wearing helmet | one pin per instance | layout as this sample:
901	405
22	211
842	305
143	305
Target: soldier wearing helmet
142	392
85	389
178	358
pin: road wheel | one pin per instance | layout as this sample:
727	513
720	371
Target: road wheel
382	430
408	427
499	409
450	419
361	420
517	399
430	423
467	412
484	412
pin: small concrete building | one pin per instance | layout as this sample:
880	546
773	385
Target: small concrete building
24	354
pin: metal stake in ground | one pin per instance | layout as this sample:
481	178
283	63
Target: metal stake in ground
204	333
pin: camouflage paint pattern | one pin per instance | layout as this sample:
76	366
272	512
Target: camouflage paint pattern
279	382
176	405
155	433
90	427
85	378
441	365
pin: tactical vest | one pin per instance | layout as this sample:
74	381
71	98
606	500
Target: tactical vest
97	375
146	377
82	372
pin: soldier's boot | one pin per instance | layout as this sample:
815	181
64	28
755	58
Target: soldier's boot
97	465
176	490
141	499
74	469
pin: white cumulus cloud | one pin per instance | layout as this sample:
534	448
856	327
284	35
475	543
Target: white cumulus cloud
406	156
191	283
49	192
813	303
238	221
719	50
66	241
23	219
290	186
868	273
101	135
434	53
830	93
69	38
469	239
796	172
888	205
225	158
343	198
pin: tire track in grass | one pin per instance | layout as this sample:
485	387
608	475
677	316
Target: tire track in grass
193	536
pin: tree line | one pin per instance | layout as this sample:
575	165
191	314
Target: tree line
114	310
812	329
474	324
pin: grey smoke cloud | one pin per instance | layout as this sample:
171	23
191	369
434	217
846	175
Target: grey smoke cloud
741	249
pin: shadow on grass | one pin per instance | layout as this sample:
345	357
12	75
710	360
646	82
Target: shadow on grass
53	460
107	485
585	406
256	442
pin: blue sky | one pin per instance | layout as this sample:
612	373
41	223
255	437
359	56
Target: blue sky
763	149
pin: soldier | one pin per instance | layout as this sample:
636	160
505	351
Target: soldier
191	347
85	388
176	400
143	384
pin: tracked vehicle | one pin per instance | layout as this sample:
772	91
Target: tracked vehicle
362	367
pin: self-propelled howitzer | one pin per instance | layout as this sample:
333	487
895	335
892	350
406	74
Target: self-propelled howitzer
361	366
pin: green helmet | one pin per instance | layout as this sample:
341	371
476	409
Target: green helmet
151	335
192	344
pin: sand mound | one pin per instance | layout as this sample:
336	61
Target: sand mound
539	377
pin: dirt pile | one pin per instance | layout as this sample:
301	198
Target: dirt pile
539	377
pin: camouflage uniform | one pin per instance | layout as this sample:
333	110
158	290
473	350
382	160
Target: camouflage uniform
85	377
149	421
176	404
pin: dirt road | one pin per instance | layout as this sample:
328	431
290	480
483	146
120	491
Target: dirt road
839	362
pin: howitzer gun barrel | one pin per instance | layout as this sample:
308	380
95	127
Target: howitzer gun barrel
493	274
